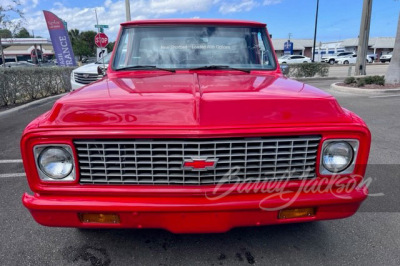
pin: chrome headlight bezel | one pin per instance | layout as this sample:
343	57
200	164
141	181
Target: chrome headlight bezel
37	151
354	144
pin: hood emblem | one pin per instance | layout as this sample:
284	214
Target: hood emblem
199	164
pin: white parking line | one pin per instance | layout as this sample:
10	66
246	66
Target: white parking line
11	161
12	175
385	96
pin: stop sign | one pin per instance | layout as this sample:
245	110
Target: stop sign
101	40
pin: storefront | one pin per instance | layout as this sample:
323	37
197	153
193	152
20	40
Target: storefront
27	49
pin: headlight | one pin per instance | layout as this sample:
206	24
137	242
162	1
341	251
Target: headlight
55	162
338	156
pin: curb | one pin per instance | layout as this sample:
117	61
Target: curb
37	102
336	87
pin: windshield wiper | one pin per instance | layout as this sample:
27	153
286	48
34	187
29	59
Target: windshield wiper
145	67
219	67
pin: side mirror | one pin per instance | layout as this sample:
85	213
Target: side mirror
101	71
285	69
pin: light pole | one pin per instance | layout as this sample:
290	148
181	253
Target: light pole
315	31
127	10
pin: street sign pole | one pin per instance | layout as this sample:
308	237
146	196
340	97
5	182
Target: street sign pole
101	40
315	32
97	21
100	36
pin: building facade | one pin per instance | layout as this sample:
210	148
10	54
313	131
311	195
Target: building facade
377	46
27	49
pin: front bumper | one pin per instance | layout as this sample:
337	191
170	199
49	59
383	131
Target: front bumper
192	214
75	85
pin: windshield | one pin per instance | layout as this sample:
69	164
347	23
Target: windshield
106	59
193	47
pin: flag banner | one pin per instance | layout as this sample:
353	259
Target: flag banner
60	40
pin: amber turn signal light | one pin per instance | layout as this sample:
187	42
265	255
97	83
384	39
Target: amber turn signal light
104	218
296	213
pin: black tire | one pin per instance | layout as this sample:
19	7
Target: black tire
332	61
305	62
346	62
283	63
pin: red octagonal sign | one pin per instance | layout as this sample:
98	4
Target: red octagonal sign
101	40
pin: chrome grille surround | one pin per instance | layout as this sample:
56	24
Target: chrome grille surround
159	161
86	78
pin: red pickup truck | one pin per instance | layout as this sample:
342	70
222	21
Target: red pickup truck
194	129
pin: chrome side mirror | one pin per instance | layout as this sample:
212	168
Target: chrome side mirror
285	69
101	71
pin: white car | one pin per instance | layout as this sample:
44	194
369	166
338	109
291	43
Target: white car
293	59
386	58
351	59
87	74
331	58
18	64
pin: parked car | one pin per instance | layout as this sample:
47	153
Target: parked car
194	129
371	58
351	59
87	74
331	58
385	58
18	64
89	60
294	59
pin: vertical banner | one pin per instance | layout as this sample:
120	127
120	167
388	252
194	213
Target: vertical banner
288	48
60	40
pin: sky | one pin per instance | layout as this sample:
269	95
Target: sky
338	19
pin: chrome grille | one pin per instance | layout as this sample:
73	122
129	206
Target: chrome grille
160	161
86	78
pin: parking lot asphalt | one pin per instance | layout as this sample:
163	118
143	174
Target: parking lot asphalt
370	237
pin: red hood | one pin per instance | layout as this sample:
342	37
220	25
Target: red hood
225	99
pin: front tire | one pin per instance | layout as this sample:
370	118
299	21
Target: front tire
332	62
346	62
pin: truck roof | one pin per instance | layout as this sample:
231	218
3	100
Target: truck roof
194	22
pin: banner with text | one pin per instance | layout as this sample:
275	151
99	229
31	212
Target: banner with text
60	40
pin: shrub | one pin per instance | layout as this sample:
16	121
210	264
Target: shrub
308	70
361	82
20	85
377	80
350	80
